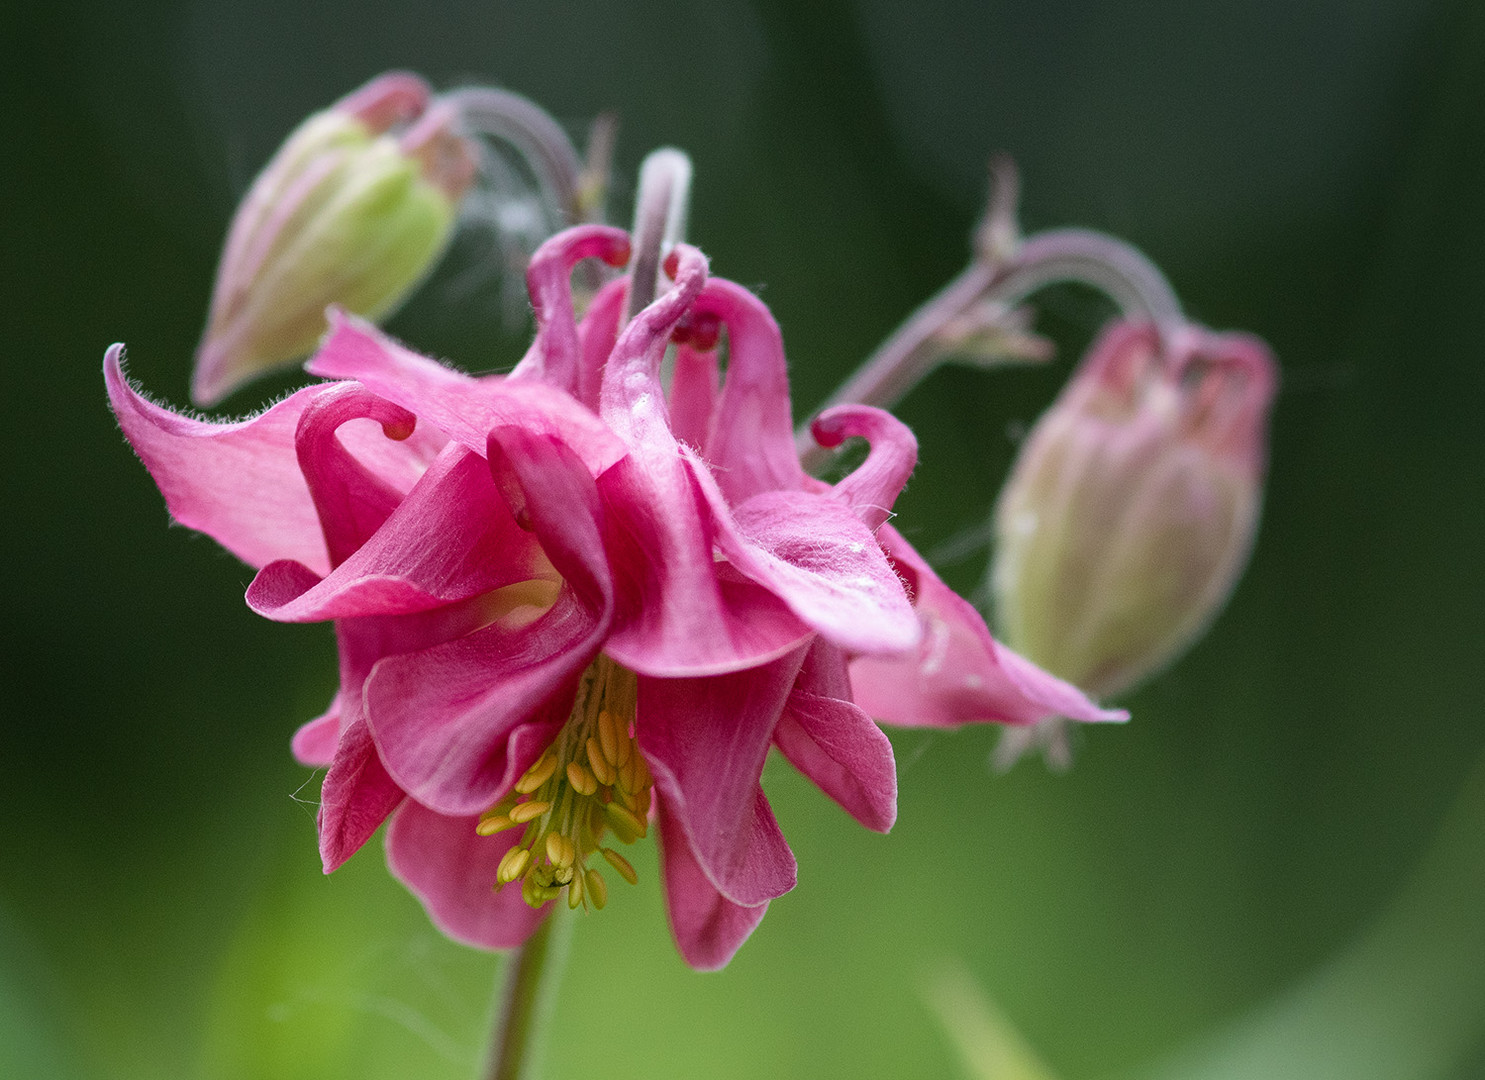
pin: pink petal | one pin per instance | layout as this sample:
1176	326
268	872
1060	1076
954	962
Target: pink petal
681	614
873	486
451	869
350	499
555	353
752	444
959	674
463	407
836	744
815	554
239	483
315	741
457	722
598	332
708	928
452	538
447	718
693	395
705	741
355	799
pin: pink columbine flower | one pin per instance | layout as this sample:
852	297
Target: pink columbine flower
529	601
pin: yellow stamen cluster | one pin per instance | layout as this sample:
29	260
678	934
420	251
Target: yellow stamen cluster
591	781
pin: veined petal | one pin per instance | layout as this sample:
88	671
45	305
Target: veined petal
814	553
705	741
681	612
239	483
959	674
834	743
452	538
451	869
460	405
873	486
350	499
453	722
708	928
356	797
315	741
597	333
554	356
752	442
693	395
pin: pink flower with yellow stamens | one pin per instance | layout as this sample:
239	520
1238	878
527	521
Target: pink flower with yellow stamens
559	624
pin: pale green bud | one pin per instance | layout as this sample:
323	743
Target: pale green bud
1132	507
353	210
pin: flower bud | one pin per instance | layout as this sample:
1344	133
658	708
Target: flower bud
352	210
1131	509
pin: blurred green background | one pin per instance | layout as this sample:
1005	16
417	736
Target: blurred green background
1221	877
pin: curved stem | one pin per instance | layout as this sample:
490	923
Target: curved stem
539	139
660	209
530	978
1079	255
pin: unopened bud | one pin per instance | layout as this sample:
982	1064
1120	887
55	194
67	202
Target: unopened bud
1131	509
352	210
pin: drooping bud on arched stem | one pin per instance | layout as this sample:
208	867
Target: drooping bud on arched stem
976	316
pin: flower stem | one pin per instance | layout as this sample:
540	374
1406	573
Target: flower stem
1005	271
535	136
527	996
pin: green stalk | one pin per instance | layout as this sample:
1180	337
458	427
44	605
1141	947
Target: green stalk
531	974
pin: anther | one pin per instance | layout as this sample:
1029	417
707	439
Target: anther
599	764
575	892
597	888
582	780
560	850
523	812
608	735
629	827
512	865
537	775
621	864
491	825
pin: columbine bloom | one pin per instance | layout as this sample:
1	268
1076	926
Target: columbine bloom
472	599
570	606
352	210
1133	504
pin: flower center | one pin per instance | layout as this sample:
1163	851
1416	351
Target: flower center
590	782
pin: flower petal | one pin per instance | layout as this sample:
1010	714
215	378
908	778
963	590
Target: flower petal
356	797
598	332
554	355
452	538
460	405
959	674
873	486
451	721
451	869
682	613
835	744
351	500
315	741
239	483
752	444
708	928
814	553
705	741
